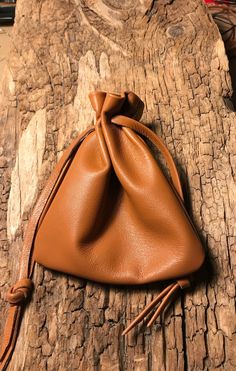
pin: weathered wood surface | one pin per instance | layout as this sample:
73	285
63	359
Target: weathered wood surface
171	54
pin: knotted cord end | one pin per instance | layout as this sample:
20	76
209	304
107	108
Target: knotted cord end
20	291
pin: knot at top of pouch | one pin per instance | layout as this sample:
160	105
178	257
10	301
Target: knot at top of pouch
112	104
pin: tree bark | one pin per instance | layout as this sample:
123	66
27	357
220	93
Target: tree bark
171	54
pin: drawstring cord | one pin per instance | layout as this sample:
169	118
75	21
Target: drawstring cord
166	296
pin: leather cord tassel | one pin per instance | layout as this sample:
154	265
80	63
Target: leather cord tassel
167	300
165	297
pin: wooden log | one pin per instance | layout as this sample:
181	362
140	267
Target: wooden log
171	54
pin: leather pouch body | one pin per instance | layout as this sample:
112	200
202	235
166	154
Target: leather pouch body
114	217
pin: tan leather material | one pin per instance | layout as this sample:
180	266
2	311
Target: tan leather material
115	218
9	337
20	291
126	122
108	214
148	308
165	297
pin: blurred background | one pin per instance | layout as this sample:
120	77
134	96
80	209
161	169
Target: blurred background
7	15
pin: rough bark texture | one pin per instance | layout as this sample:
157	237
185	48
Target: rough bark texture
171	54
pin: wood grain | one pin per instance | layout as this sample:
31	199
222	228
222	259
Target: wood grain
171	54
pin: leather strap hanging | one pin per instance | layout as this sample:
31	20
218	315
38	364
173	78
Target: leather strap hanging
21	291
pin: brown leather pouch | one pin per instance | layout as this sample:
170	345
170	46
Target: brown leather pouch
109	214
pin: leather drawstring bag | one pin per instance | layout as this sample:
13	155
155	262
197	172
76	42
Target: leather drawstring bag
109	214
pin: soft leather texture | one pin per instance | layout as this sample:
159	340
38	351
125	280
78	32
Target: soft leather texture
113	216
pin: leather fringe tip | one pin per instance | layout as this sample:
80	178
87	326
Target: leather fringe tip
165	297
